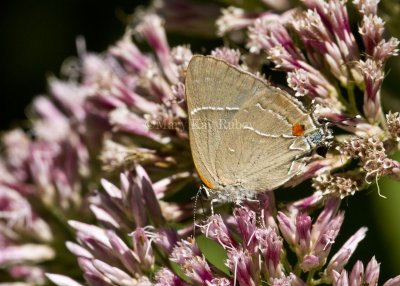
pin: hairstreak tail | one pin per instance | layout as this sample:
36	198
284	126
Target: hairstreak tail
246	136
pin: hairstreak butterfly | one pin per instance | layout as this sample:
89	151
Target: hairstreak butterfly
246	136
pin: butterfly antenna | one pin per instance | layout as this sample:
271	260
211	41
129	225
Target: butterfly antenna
195	210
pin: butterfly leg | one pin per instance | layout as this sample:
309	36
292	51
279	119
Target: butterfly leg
212	205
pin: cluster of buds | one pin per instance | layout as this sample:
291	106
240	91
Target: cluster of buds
341	185
42	185
332	58
393	124
253	241
372	155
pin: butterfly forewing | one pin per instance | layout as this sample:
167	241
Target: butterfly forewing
215	91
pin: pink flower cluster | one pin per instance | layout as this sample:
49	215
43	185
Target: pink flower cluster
99	186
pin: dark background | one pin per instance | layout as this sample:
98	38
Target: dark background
38	35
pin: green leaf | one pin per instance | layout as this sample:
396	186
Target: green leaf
214	253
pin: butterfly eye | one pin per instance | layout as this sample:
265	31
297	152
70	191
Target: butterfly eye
322	151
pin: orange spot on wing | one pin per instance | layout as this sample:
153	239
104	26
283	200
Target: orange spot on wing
298	129
207	183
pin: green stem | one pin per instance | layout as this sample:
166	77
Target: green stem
286	263
352	99
61	221
310	276
383	119
297	269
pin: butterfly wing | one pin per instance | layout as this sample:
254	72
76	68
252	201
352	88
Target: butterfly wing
215	91
261	152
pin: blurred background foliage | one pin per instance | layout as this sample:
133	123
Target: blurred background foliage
38	35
